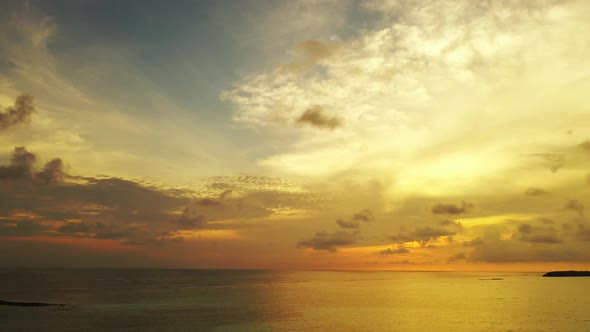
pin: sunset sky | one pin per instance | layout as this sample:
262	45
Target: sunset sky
375	134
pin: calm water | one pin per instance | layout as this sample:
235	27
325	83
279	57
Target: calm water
212	300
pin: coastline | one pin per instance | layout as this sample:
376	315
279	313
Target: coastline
570	273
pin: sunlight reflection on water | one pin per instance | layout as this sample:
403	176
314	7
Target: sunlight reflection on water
216	300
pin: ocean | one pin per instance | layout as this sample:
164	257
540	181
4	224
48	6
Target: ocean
254	300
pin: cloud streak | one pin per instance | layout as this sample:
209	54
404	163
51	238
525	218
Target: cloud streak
534	191
329	241
398	250
347	224
426	234
574	205
452	208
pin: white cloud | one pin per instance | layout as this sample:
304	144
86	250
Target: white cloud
443	97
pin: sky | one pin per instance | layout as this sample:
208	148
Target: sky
305	134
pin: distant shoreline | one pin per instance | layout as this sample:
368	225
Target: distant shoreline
567	274
29	304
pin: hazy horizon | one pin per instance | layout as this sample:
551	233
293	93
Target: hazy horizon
540	272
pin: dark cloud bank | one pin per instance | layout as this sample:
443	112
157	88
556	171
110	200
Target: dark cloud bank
50	202
33	202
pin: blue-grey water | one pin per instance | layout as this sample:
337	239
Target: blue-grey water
248	300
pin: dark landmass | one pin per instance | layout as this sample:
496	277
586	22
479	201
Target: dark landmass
33	304
491	279
567	274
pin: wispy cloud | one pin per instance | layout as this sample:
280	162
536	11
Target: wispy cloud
574	205
425	234
443	208
365	215
398	250
329	241
532	191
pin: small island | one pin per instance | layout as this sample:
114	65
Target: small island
27	304
567	274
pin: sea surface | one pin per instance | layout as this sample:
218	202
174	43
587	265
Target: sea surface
251	300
